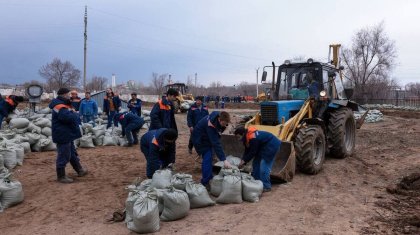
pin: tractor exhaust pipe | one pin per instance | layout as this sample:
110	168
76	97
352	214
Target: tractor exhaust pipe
272	82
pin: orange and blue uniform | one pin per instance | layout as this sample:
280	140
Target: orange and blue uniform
157	153
261	146
162	115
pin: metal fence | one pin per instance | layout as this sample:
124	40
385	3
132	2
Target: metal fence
409	102
99	98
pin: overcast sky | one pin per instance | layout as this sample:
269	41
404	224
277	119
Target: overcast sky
220	40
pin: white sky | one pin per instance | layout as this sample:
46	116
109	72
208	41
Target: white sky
221	40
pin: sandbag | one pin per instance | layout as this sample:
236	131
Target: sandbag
20	154
161	179
36	116
21	131
216	185
11	192
50	147
9	157
98	131
43	142
26	147
231	190
19	123
180	180
87	128
251	188
44	111
159	194
86	142
34	129
176	204
230	171
33	137
46	131
1	163
8	134
198	195
22	138
42	122
98	141
109	141
4	172
145	184
145	214
122	141
133	195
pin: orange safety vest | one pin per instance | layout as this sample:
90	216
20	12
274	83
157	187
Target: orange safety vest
154	141
164	106
60	106
10	101
250	135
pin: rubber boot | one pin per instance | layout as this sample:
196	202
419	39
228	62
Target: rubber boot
79	169
61	176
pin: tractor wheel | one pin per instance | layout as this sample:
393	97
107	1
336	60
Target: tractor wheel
341	133
176	106
310	148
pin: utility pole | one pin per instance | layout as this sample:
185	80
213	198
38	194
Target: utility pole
257	80
195	80
84	61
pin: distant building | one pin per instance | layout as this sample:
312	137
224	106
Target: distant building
131	83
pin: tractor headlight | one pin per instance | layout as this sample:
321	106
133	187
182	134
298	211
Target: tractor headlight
287	62
322	93
310	61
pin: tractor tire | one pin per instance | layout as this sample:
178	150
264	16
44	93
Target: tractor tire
341	133
310	146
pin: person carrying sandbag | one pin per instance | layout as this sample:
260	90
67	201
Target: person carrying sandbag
158	146
261	146
65	129
206	138
8	105
131	125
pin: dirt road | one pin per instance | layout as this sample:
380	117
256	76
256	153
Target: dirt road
348	197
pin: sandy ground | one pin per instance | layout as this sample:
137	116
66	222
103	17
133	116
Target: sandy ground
349	196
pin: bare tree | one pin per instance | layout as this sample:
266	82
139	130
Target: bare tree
60	74
158	82
97	83
371	56
413	89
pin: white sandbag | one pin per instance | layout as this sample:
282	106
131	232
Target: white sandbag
145	113
117	131
216	185
230	171
8	134
98	131
42	122
145	185
22	138
50	147
100	111
48	116
86	142
46	131
44	111
34	129
198	195
11	192
133	195
159	194
87	128
98	141
231	190
251	188
122	141
4	172
33	137
21	131
26	147
19	123
145	214
109	141
36	116
20	154
176	204
161	179
43	142
9	157
234	161
180	180
1	163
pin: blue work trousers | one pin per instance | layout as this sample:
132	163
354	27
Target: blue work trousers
131	132
67	153
207	167
154	163
111	115
261	170
1	120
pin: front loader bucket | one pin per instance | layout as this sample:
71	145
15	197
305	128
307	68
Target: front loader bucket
284	163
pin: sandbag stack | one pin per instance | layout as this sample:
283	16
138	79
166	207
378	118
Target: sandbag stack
11	192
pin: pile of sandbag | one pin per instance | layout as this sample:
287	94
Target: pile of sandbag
165	197
11	192
186	104
232	186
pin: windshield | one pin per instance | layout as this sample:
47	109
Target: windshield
293	82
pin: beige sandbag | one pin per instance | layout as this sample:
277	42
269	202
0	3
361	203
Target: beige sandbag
161	179
145	214
216	185
198	195
9	157
180	180
175	204
11	192
231	190
19	123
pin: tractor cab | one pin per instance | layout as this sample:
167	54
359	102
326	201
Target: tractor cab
295	83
